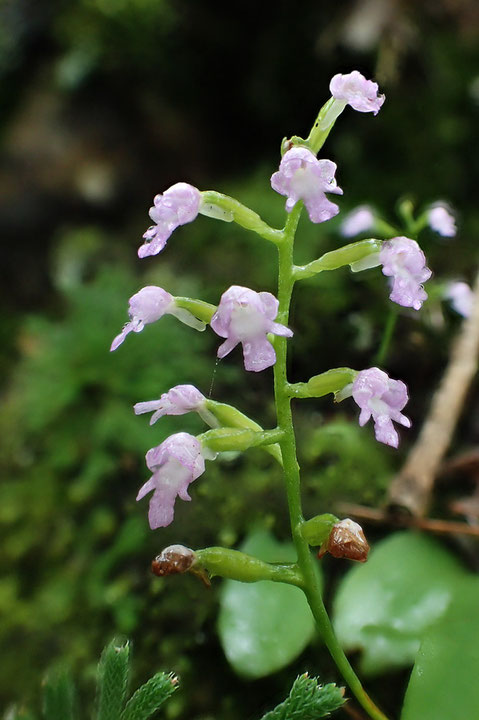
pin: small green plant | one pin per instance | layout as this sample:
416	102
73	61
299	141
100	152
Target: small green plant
112	702
308	700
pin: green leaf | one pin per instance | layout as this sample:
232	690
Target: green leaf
113	675
385	605
58	695
264	626
444	682
308	700
149	697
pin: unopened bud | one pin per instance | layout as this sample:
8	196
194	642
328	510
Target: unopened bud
173	560
346	540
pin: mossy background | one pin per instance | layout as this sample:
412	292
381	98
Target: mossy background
106	103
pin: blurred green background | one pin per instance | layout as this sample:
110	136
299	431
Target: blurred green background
104	104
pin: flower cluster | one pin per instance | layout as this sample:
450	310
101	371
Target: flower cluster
244	316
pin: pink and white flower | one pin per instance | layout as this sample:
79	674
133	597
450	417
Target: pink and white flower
441	220
180	400
404	261
175	464
301	176
382	399
359	220
461	297
245	316
178	205
353	89
147	306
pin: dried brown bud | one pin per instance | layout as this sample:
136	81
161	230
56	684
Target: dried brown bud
346	540
173	560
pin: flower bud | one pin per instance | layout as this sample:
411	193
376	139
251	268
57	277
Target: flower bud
173	560
346	540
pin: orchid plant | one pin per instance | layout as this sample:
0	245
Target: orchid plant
259	322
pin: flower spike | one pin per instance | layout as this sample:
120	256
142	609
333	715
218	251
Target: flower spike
178	205
301	176
245	316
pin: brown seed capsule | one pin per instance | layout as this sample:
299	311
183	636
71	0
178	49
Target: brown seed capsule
173	560
346	540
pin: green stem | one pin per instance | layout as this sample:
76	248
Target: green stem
385	229
292	473
381	355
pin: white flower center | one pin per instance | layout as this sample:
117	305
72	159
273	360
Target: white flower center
174	474
247	322
378	407
303	182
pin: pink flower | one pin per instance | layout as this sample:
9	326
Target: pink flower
301	176
179	400
359	220
176	463
383	399
461	297
148	305
177	206
353	89
442	221
404	261
245	316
